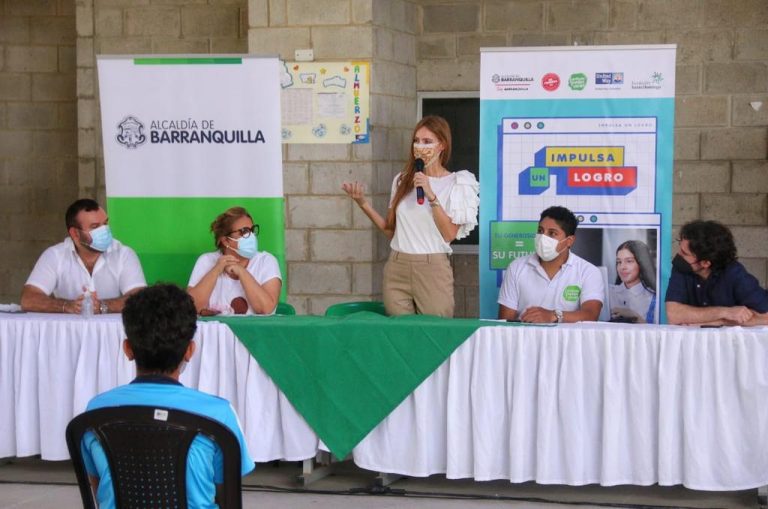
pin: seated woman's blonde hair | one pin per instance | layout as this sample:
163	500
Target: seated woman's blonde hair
222	225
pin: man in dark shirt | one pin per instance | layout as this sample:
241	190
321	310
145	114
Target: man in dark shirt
708	286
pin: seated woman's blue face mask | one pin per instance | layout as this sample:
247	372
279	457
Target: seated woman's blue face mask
247	246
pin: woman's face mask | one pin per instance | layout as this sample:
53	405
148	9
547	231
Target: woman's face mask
427	152
247	247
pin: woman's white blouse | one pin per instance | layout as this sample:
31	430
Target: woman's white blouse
416	231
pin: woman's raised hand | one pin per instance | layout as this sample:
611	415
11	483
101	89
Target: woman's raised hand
355	190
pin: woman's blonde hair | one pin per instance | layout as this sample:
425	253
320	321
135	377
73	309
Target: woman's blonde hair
222	225
442	130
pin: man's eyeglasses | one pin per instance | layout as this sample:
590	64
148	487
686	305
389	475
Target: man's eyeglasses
246	231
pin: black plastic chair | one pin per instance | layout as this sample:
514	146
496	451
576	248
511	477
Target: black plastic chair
146	449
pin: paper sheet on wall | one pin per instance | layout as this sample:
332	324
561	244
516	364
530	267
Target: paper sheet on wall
325	102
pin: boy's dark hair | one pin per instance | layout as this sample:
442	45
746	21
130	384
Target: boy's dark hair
710	241
563	217
86	204
159	321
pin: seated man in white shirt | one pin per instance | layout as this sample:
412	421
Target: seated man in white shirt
88	260
553	285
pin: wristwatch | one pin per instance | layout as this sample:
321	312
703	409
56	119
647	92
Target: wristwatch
103	308
558	316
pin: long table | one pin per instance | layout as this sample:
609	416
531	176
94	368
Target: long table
575	404
52	365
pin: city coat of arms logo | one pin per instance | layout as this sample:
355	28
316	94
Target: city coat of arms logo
130	133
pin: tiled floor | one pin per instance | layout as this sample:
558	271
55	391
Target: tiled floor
31	483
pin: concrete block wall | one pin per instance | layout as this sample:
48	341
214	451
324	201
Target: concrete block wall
334	252
49	90
721	145
50	139
38	133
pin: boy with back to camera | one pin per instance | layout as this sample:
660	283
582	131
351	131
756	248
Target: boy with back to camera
160	322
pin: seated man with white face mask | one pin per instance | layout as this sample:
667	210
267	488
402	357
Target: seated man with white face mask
89	260
553	285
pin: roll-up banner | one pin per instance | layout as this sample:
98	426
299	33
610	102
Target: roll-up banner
185	138
590	129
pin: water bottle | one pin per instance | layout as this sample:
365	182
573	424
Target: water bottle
87	308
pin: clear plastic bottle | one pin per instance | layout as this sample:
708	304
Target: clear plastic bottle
87	308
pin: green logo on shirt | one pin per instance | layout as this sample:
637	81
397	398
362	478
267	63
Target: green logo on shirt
572	293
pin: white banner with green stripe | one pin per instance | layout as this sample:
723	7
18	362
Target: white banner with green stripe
185	138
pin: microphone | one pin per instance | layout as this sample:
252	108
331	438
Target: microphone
420	190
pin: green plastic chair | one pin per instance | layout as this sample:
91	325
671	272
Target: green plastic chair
283	308
345	308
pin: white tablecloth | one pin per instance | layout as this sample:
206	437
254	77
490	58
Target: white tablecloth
607	404
52	365
591	403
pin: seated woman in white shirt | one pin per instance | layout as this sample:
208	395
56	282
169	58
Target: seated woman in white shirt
633	297
237	278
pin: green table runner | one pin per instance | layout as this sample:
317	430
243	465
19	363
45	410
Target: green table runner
344	375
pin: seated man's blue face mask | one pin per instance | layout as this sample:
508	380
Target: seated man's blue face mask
101	238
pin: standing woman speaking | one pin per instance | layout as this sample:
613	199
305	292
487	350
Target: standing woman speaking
418	277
